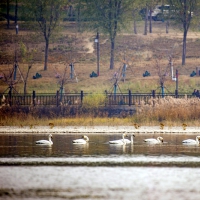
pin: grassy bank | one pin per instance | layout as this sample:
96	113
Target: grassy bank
167	111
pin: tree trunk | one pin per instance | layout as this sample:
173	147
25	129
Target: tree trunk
167	26
78	19
134	27
146	22
184	47
150	21
112	53
46	53
185	29
16	11
8	13
25	81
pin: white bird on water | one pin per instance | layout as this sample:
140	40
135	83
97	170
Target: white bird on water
120	141
83	140
127	141
159	140
46	142
191	141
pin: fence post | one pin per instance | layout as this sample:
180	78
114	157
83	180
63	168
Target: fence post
34	98
115	91
10	96
130	98
153	93
162	90
81	96
57	98
176	92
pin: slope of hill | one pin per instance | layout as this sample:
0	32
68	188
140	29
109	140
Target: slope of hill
140	53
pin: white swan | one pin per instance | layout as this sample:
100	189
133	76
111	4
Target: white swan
46	142
120	142
191	141
83	140
127	141
159	140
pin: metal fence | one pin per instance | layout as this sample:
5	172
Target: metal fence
57	99
133	99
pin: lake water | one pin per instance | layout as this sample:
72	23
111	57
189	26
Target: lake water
98	170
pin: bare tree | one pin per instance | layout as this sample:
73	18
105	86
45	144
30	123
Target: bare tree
8	13
183	12
146	20
108	16
47	13
16	11
149	4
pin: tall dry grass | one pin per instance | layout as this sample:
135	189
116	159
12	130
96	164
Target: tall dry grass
169	110
59	117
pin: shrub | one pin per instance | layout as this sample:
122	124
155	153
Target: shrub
93	101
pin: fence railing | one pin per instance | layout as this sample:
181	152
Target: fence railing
57	99
135	98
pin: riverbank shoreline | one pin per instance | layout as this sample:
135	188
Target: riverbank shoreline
97	129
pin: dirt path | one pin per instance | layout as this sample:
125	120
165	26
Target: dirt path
89	45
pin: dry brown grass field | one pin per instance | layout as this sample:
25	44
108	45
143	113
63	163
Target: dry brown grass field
141	53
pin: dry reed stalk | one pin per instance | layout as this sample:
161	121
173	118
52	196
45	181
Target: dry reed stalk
170	108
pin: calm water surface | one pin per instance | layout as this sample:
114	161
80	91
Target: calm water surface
23	145
98	170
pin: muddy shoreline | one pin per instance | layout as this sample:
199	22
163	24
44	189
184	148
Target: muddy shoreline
97	129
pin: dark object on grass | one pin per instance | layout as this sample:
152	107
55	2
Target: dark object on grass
93	74
193	74
146	74
37	75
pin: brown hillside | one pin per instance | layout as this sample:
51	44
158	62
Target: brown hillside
140	52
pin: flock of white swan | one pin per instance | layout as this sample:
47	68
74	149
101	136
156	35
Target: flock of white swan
123	141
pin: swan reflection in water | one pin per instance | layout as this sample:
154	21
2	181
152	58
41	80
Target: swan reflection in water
118	148
84	148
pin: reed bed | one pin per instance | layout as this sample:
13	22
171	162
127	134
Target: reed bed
84	120
168	111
